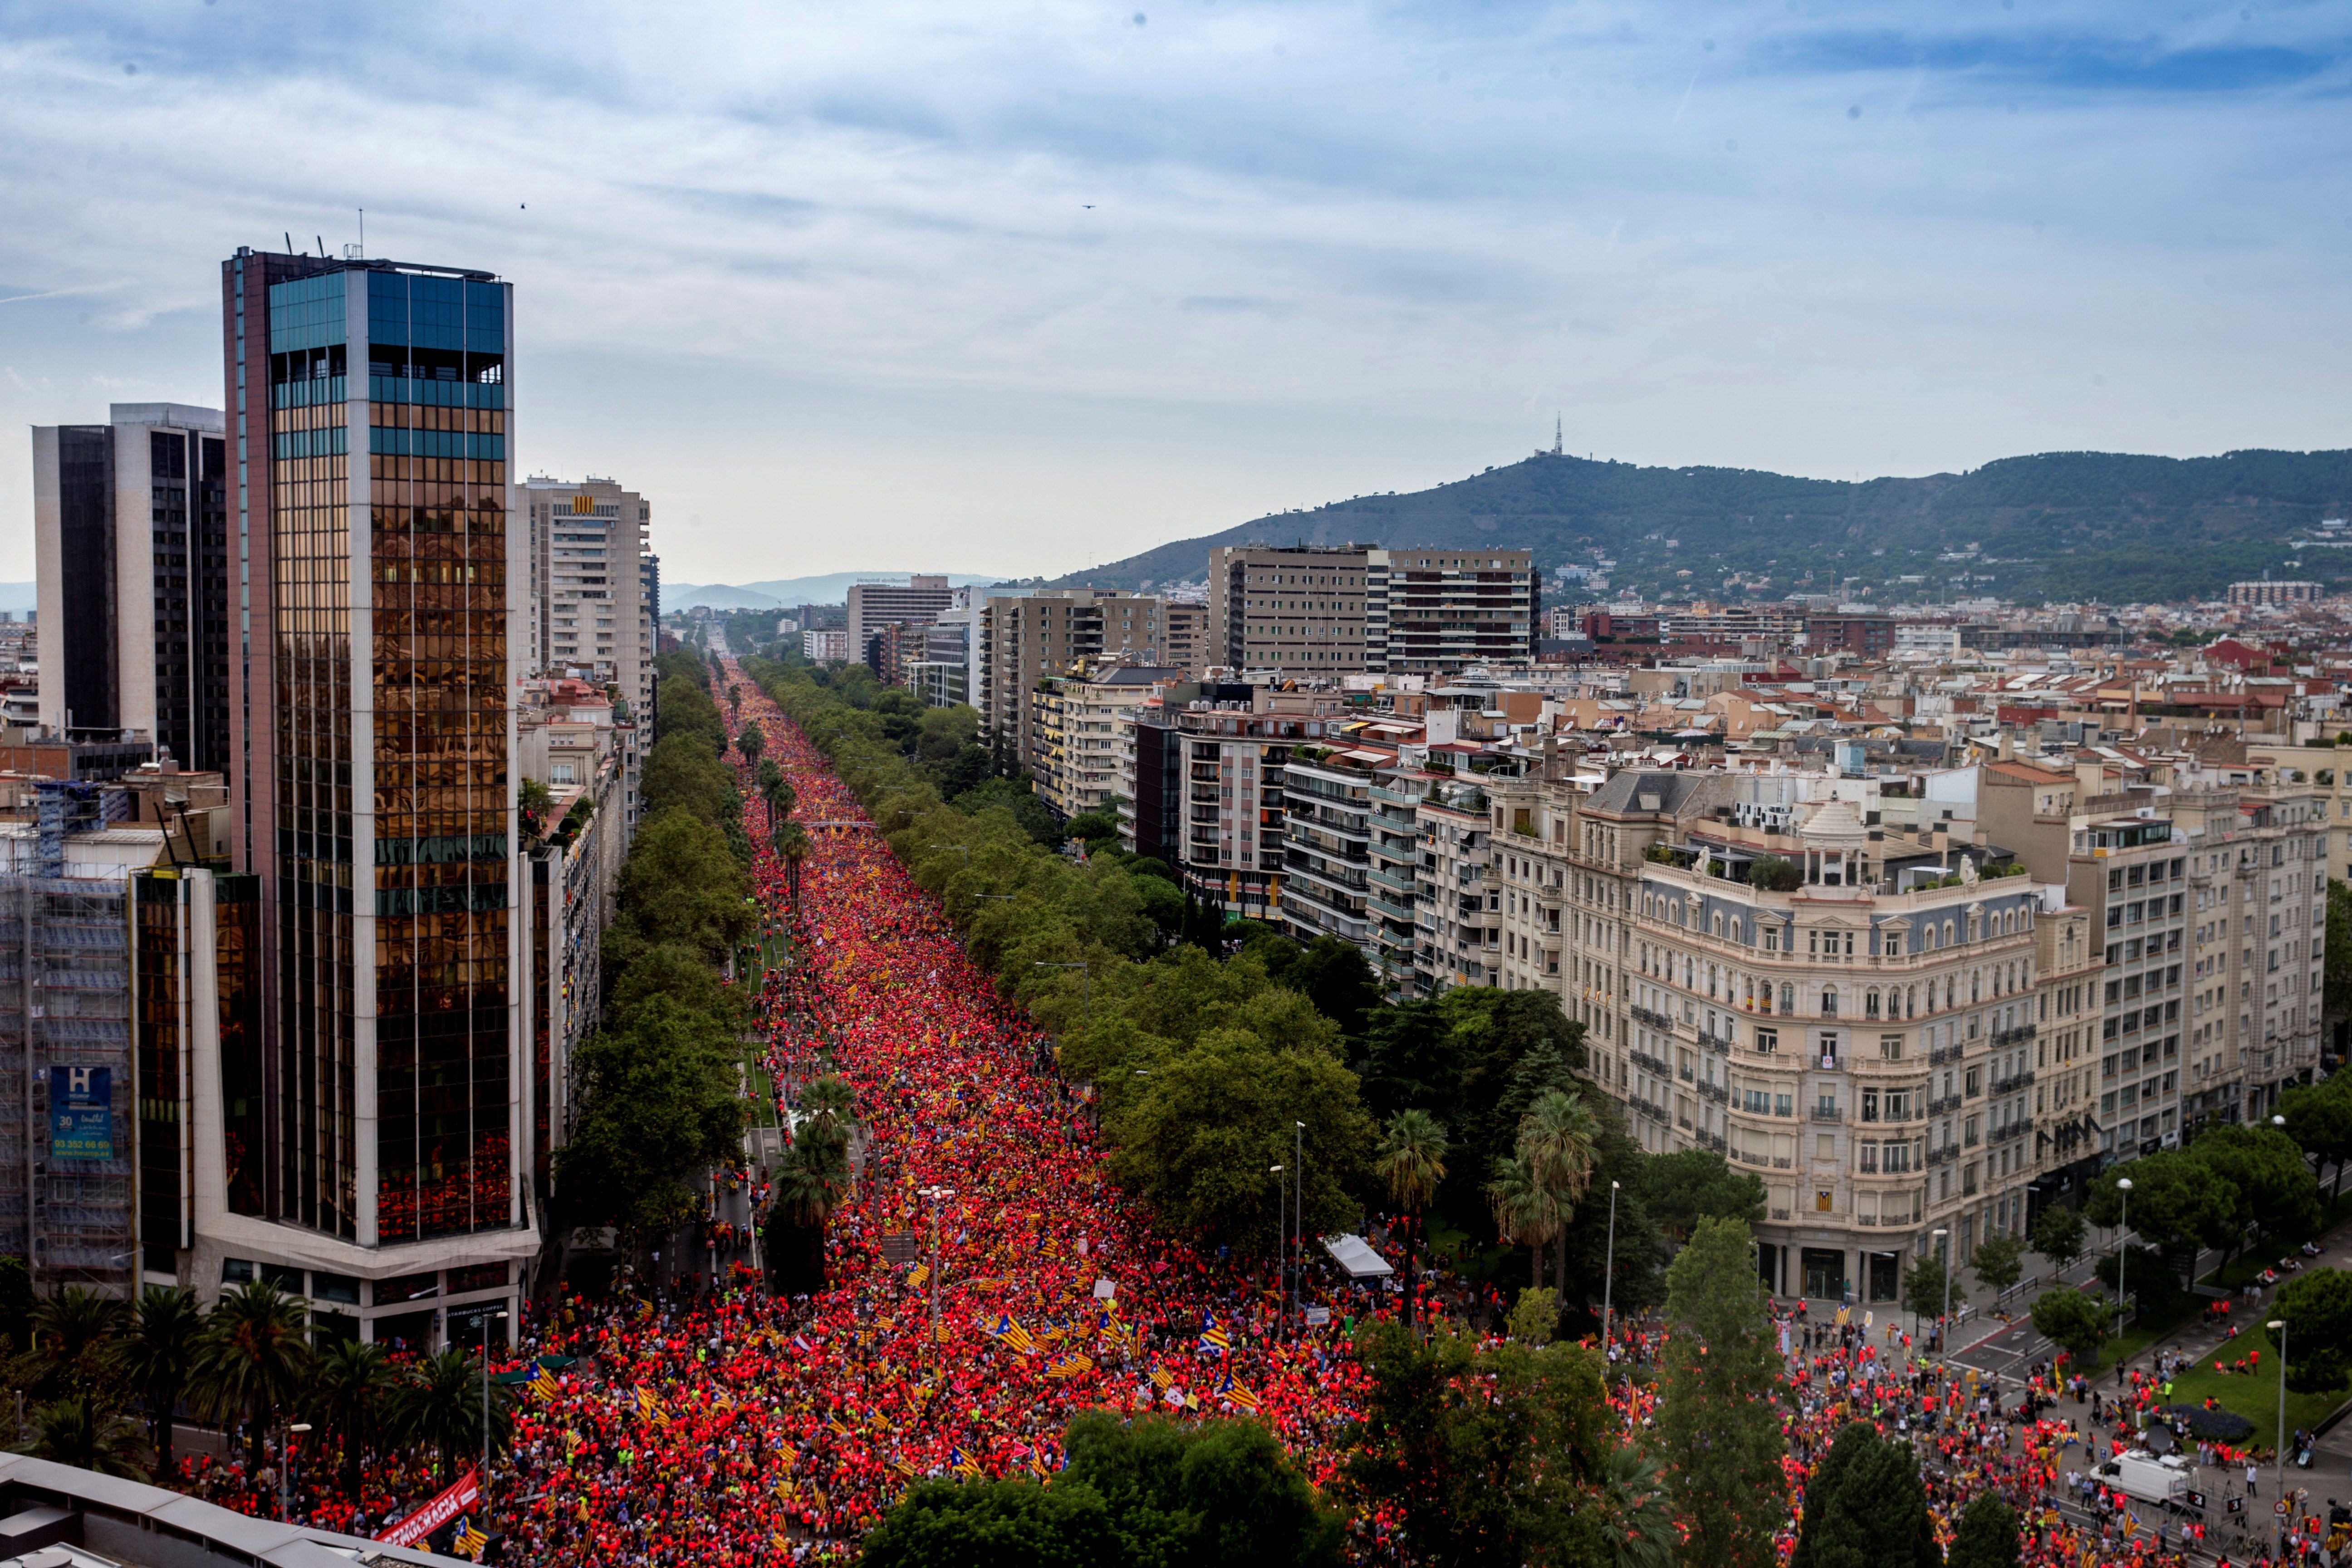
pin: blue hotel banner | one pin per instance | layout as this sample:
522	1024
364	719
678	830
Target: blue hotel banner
82	1113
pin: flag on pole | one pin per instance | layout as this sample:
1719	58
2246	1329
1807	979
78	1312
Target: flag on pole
1213	1339
1234	1393
1008	1332
471	1539
965	1466
544	1385
1070	1366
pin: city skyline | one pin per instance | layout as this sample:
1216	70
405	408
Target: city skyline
969	286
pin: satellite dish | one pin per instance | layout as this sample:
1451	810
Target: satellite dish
2159	1438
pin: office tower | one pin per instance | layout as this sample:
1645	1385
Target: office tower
588	612
873	605
1026	637
130	533
1438	611
1297	610
370	413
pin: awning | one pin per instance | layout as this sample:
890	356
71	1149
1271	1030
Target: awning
1355	1255
521	1375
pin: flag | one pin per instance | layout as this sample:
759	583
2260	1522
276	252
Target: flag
1070	1366
1213	1339
778	1541
915	1281
965	1466
833	1424
905	1468
790	1455
649	1406
1008	1332
470	1540
1161	1377
1234	1393
544	1385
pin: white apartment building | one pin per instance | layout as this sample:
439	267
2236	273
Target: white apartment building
589	613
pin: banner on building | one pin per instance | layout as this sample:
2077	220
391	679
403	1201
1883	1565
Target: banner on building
82	1113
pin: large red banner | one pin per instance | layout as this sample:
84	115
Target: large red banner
460	1497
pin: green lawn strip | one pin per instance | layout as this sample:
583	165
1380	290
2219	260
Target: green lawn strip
2253	1396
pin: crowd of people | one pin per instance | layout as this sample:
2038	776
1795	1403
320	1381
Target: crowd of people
982	1284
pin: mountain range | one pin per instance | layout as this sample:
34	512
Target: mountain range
832	588
2064	526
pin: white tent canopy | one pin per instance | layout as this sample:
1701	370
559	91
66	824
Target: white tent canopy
1355	1255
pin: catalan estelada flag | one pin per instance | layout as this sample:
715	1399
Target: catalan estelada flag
922	1273
542	1384
1161	1377
1214	1338
1234	1393
470	1540
1008	1332
965	1466
649	1406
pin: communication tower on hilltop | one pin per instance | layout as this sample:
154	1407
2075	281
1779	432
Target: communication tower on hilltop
1556	436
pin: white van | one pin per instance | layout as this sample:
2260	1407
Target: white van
2169	1478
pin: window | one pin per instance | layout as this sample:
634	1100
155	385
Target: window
1869	1107
1821	1203
1868	1160
1829	1001
1768	1042
1890	1048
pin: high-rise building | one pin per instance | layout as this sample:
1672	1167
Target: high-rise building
371	411
130	533
1023	638
1298	610
1334	611
589	615
873	605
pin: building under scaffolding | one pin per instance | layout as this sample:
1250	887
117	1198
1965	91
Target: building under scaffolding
67	1172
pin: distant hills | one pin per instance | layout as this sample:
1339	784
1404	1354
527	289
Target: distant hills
833	588
2057	526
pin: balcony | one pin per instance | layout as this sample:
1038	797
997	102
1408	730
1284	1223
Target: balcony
1713	1140
1827	1113
1938	1107
2011	1132
2016	1036
1648	1063
1710	1040
1655	1020
1716	1092
1387	911
1943	1055
2012	1085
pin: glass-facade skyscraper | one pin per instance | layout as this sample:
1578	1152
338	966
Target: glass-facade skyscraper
369	415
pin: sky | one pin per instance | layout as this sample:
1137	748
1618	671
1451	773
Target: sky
1023	287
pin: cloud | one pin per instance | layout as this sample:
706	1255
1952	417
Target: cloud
907	269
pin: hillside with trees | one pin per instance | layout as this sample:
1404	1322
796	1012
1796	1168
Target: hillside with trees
2057	526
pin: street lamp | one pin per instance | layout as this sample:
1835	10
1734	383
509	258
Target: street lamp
1609	1279
2278	1326
1282	1248
935	1193
488	1319
1943	1324
286	1474
2122	1228
1298	1207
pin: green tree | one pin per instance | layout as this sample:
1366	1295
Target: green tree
438	1404
1865	1506
252	1361
2073	1322
1924	1285
1410	1163
2058	1237
681	884
2179	1202
1638	1500
1528	1210
993	1524
2319	1117
354	1394
86	1433
156	1359
793	843
681	773
1987	1537
1774	875
660	1102
77	1336
1559	1141
1196	1144
751	741
1692	1185
2337	971
1719	1415
1212	1493
1999	1262
2317	1308
1492	1456
2276	1190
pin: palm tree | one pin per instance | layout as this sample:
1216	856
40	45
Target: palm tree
1412	1161
777	791
828	1104
1559	1138
352	1390
252	1360
1641	1516
1526	1209
439	1405
164	1328
793	846
735	699
89	1435
750	740
76	1335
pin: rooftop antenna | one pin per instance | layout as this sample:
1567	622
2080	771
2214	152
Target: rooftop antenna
322	247
289	242
363	232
